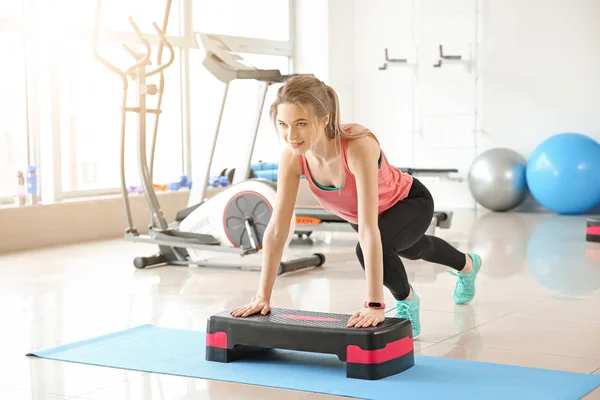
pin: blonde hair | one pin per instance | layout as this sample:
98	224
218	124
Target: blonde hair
307	90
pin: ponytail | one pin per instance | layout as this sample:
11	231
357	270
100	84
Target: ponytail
333	128
309	90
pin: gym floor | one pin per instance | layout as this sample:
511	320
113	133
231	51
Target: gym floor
531	309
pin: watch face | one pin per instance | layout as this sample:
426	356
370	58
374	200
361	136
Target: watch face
374	304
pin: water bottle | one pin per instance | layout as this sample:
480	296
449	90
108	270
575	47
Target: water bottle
21	197
263	165
32	185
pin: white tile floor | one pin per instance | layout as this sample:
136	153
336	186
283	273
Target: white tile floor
537	305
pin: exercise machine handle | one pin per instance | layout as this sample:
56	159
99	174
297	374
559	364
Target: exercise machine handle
141	60
95	40
165	42
108	64
131	51
164	29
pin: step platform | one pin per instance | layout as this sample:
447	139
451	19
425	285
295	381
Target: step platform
592	230
369	353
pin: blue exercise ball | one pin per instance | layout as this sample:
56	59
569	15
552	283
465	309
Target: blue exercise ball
563	173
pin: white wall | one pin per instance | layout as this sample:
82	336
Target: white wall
340	43
541	76
537	64
324	46
310	41
542	73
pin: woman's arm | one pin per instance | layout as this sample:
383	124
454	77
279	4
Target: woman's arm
278	230
363	156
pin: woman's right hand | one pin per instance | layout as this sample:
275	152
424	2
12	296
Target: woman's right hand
258	305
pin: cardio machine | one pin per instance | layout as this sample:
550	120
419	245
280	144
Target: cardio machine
233	221
226	65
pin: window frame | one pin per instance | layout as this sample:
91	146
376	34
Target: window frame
15	26
45	134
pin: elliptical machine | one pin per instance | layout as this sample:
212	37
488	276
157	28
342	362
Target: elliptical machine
233	221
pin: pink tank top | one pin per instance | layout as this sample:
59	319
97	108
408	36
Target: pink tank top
394	186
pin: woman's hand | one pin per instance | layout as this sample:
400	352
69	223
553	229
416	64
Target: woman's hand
258	305
367	318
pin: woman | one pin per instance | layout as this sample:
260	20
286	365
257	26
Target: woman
350	176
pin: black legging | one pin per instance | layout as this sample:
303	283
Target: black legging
402	230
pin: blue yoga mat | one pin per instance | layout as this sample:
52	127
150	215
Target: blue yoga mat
181	352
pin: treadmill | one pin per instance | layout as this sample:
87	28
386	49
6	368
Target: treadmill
227	65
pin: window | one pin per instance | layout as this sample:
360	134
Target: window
114	14
11	9
82	126
13	113
268	142
91	97
239	115
261	19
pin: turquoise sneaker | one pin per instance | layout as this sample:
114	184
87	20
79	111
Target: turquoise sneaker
464	291
409	309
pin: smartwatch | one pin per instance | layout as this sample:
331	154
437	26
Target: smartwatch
374	304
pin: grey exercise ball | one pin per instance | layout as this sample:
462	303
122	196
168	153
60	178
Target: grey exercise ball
497	179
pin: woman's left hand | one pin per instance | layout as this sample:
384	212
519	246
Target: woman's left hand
367	318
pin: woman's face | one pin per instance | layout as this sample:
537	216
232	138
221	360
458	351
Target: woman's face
298	126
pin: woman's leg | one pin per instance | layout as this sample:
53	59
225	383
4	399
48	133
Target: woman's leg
435	250
401	227
396	280
394	273
402	230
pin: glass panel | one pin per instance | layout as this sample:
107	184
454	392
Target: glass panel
239	116
11	8
13	129
263	19
91	121
114	14
267	145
